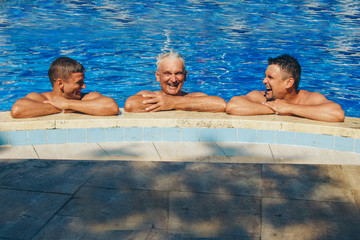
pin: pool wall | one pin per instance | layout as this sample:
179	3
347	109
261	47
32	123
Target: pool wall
179	126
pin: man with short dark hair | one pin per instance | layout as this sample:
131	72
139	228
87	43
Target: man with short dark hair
171	75
282	96
67	79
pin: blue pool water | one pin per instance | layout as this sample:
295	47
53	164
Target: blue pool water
225	44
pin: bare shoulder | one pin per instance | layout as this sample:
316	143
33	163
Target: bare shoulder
91	95
256	96
312	97
38	97
147	92
196	94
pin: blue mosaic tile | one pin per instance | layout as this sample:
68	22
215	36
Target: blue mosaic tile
76	135
4	138
190	135
265	136
227	134
114	134
56	136
344	144
304	139
152	134
357	145
209	134
133	134
171	134
247	135
95	135
324	141
18	138
37	137
285	137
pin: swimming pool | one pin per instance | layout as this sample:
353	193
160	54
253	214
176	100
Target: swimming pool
225	44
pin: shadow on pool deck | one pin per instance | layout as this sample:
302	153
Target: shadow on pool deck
59	199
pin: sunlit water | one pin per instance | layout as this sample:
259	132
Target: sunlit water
225	44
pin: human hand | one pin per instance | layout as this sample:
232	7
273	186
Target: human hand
58	102
279	106
158	102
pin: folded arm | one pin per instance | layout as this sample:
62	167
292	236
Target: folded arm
92	103
32	105
136	104
150	102
314	106
318	108
250	104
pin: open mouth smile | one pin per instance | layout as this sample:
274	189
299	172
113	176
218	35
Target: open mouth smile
269	93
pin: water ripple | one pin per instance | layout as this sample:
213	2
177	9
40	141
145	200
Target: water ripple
225	44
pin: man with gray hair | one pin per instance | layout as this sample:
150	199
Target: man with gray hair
171	75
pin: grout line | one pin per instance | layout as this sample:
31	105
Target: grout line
35	151
272	154
157	151
228	157
106	153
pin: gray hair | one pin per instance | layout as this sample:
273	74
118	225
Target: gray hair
171	54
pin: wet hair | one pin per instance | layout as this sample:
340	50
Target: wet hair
171	54
289	65
63	67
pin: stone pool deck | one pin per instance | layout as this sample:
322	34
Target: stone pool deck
180	190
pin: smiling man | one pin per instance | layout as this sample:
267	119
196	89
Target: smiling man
67	79
282	96
171	75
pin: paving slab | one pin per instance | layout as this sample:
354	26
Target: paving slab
214	215
302	155
120	209
67	227
242	179
18	152
247	152
161	234
307	182
221	178
300	219
48	176
352	175
150	175
83	151
131	151
7	166
346	158
24	213
191	152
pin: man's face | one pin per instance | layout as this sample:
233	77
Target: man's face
274	83
73	85
171	76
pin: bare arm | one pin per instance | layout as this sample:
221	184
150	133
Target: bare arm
93	104
315	107
32	105
250	104
136	104
191	102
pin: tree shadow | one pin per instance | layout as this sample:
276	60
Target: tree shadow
189	200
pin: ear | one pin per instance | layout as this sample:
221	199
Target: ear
157	75
60	84
185	74
290	82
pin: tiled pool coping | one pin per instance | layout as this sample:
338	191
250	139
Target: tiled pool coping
179	126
